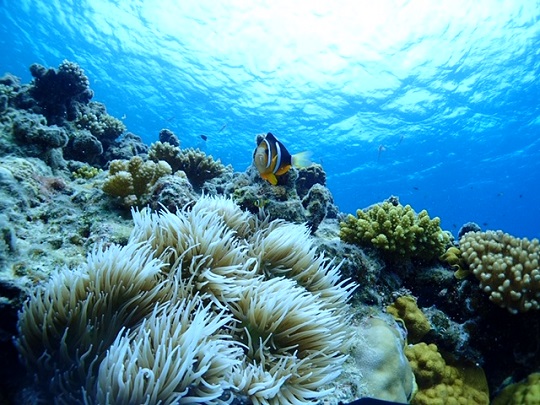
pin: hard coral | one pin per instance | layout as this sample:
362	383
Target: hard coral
406	309
379	354
526	392
397	231
56	90
167	152
507	268
131	180
440	383
199	167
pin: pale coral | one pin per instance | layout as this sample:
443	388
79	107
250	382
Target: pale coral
507	268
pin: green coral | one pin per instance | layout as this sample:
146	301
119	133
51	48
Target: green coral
526	392
452	256
86	172
406	309
132	179
396	230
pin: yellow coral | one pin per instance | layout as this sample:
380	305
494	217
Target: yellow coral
406	309
132	179
526	392
397	231
507	268
453	257
86	172
442	383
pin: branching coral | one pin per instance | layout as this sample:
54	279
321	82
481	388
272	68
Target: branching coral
131	180
188	313
167	152
199	167
103	126
507	268
397	231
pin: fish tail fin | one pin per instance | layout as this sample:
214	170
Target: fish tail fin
301	159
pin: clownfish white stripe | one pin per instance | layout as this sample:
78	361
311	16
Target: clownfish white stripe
278	159
269	151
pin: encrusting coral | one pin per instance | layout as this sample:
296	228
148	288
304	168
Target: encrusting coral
440	383
379	354
507	268
526	392
397	231
190	310
406	309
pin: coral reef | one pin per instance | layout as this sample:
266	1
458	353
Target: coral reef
526	392
248	307
406	309
442	383
54	115
396	230
198	306
56	90
380	356
198	167
131	180
507	268
299	197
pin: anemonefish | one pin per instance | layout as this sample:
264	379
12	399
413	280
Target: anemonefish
272	159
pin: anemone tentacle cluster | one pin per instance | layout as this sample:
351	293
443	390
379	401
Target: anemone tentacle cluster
199	306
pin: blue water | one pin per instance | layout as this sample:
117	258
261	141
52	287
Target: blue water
435	102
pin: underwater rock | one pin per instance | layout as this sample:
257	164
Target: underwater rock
83	147
308	177
168	136
171	192
56	90
54	109
126	147
251	192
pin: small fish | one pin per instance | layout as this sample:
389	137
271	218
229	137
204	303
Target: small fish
272	159
382	148
204	137
222	127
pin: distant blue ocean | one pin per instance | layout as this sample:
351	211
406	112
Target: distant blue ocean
435	102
